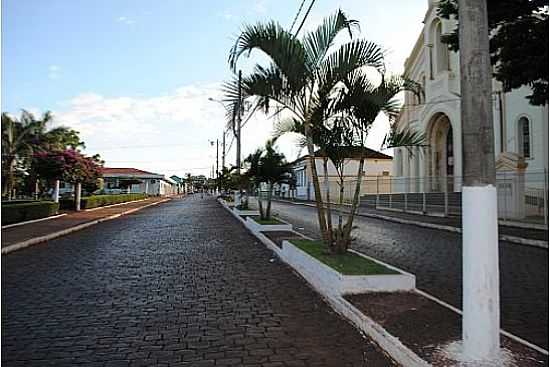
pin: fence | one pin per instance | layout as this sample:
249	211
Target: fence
522	197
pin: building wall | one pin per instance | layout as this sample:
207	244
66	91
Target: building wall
376	175
441	81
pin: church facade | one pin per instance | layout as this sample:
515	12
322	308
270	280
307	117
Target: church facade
520	129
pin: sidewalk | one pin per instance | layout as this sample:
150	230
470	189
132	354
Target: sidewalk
527	236
18	237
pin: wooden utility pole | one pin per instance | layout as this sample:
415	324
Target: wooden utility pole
480	305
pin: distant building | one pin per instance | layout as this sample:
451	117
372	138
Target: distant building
377	168
132	180
180	184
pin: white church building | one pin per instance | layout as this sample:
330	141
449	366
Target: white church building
520	130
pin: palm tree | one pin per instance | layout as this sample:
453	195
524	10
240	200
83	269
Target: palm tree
361	101
353	106
20	139
23	137
267	166
300	75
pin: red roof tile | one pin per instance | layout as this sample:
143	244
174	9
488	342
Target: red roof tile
126	171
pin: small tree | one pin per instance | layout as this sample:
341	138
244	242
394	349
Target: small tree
267	166
70	166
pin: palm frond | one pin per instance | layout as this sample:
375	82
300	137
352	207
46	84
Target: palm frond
285	51
318	42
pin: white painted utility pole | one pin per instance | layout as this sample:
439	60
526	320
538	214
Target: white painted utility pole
56	191
77	195
481	304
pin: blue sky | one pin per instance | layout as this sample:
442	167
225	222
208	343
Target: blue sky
134	76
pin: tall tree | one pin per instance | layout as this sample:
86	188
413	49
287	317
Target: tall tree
518	43
300	73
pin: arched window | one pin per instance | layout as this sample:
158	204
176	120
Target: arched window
524	137
441	51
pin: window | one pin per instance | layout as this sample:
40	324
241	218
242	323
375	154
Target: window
524	138
441	51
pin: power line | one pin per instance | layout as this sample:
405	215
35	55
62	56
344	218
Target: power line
296	17
305	17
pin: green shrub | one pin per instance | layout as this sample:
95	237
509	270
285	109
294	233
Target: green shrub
20	212
95	201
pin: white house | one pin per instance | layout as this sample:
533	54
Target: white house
133	180
520	129
376	170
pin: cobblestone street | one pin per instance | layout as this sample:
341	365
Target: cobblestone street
435	257
180	284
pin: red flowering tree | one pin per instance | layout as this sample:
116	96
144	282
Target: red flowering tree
69	166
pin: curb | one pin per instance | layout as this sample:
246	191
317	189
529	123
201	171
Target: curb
391	344
33	241
508	238
109	206
387	342
32	221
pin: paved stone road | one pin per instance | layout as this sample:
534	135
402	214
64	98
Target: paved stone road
181	284
435	257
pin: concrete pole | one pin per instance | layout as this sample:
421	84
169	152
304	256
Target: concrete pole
56	192
238	133
78	194
481	304
223	151
217	167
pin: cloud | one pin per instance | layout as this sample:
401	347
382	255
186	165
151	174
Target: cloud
53	71
166	134
226	15
125	20
260	7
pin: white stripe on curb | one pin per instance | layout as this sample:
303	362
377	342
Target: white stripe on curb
508	238
389	343
351	313
35	240
32	221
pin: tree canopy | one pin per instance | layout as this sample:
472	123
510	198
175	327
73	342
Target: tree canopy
518	43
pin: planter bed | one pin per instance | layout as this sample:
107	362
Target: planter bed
245	212
343	274
274	225
277	237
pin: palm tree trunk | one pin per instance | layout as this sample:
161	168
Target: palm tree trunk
260	204
11	178
318	198
340	245
268	210
329	210
355	203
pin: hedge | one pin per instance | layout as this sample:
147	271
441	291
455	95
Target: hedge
94	201
20	212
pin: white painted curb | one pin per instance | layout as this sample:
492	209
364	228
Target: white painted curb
390	344
35	240
331	281
33	221
246	212
256	227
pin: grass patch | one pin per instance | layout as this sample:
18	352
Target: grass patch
347	264
270	221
